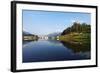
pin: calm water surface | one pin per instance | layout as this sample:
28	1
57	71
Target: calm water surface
52	50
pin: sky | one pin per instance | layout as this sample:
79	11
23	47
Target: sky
47	22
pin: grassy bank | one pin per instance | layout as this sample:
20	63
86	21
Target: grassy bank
77	38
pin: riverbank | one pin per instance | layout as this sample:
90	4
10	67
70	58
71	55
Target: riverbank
76	38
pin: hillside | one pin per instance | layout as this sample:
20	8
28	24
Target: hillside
77	34
77	27
28	36
26	33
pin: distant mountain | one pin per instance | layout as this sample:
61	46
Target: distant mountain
26	33
54	34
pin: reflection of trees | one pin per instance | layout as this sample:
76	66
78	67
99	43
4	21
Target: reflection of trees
28	41
77	47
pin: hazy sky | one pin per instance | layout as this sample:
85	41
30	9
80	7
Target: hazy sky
46	22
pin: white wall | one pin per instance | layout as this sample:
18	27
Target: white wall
5	36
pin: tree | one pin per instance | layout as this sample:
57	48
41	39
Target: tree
77	27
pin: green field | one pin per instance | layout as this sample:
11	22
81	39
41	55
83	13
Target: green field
76	38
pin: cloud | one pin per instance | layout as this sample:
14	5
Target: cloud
81	21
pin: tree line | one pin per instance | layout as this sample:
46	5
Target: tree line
77	27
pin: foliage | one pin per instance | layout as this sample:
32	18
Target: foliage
77	27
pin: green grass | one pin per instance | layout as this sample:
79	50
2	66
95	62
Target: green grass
76	38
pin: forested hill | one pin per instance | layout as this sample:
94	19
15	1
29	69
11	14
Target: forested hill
77	27
26	33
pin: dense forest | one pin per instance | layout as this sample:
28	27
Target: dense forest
77	27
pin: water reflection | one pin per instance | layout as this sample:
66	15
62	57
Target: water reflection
28	41
77	47
56	42
52	50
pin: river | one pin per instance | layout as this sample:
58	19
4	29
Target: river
53	50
